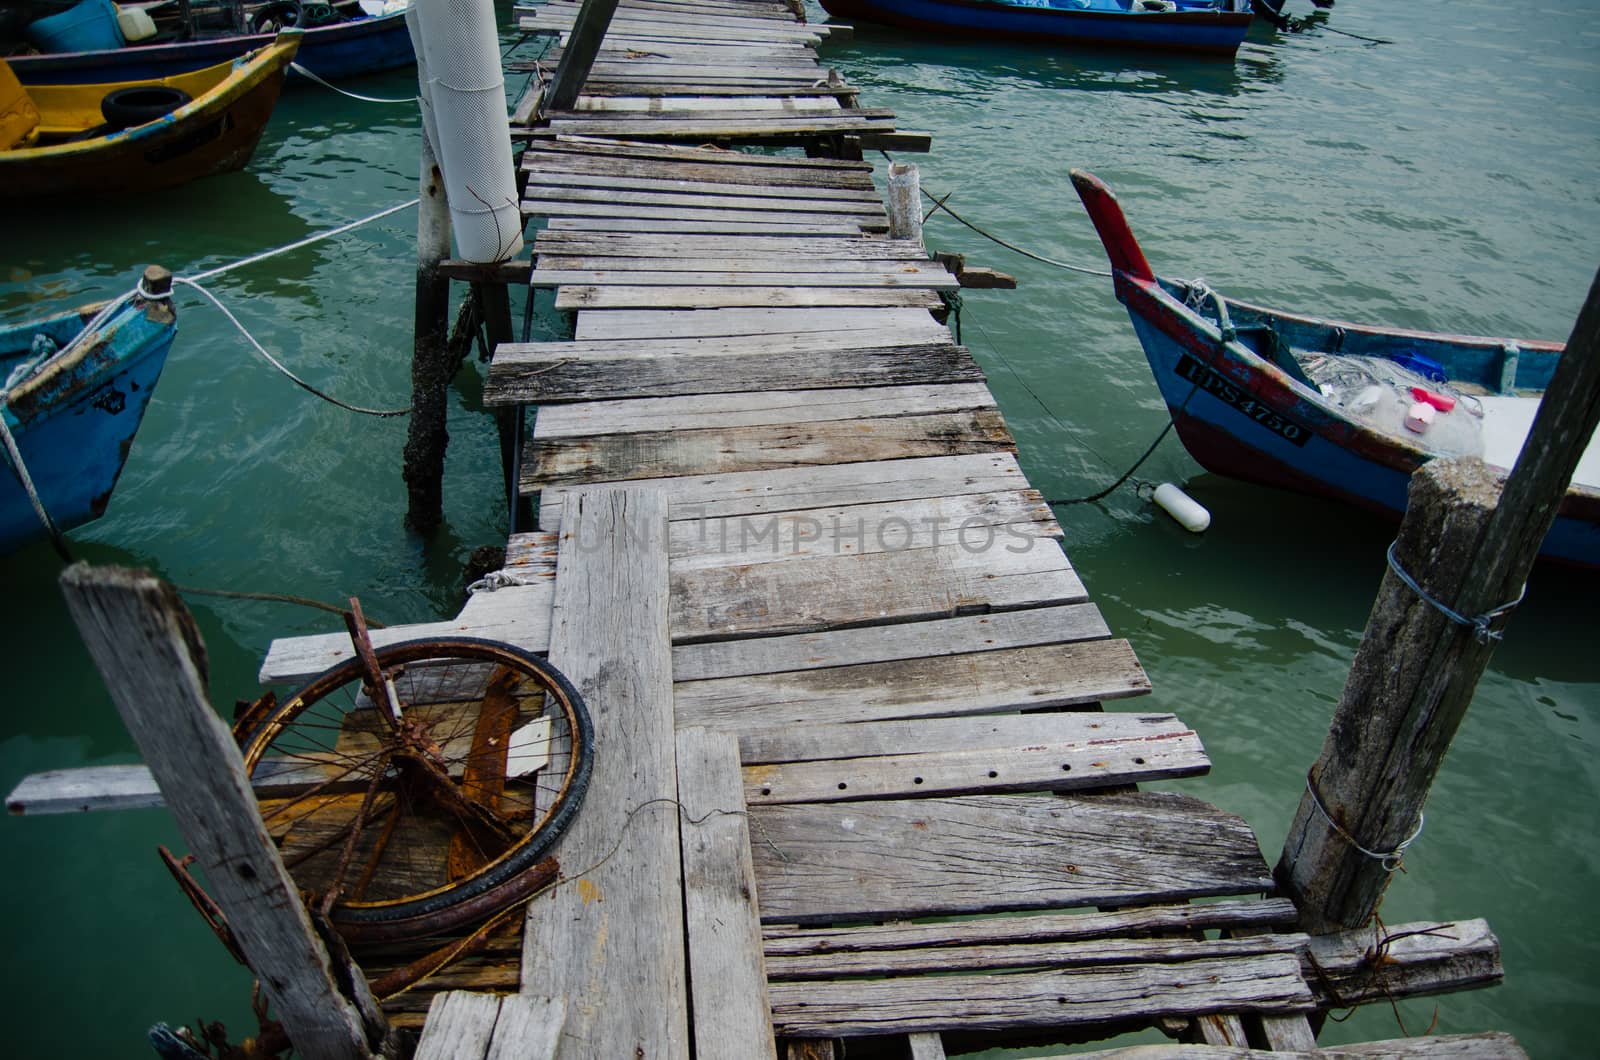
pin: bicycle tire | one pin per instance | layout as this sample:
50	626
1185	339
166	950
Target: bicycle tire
428	911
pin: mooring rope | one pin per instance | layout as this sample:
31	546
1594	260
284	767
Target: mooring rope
306	242
303	72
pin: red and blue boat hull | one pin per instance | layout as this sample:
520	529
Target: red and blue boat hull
1189	28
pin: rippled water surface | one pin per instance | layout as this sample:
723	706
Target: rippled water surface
1443	181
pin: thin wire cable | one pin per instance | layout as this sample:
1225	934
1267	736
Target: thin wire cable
1390	860
303	72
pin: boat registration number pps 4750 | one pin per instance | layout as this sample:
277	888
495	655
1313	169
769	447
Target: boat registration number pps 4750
1208	380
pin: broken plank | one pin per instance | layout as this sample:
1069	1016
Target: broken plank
934	735
838	591
1402	960
973	1003
1041	766
755	409
826	485
968	683
84	790
995	853
886	643
727	971
1231	914
653	454
460	1026
529	1028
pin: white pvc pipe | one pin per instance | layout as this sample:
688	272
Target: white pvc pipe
464	111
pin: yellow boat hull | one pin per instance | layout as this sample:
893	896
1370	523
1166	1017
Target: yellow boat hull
215	132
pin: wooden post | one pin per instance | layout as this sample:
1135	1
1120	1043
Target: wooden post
496	302
905	201
145	645
1470	547
431	365
583	44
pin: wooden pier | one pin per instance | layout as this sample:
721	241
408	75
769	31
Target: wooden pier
854	780
853	777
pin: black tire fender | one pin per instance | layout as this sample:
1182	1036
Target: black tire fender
127	107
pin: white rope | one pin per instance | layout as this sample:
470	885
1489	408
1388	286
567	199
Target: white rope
303	72
306	242
279	365
21	468
499	579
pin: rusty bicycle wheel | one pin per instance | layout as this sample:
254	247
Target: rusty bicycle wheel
421	801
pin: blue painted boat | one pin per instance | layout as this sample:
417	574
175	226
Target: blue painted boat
334	52
1204	26
76	387
1334	409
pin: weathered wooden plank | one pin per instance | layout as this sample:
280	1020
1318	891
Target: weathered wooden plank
611	941
550	176
722	223
772	180
684	323
84	790
1403	960
1074	954
927	278
460	1026
968	683
936	735
993	853
660	104
715	199
600	145
927	1046
749	264
697	28
1491	1045
907	640
713	450
529	1028
563	379
785	941
517	614
756	409
1013	522
731	251
774	126
1040	766
830	592
728	978
663	297
978	1003
791	212
826	485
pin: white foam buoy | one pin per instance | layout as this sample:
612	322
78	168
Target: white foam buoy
1183	508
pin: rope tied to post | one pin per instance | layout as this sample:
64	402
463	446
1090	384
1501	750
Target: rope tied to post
1390	860
1480	625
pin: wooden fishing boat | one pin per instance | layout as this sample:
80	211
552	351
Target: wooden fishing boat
76	387
72	148
337	51
1333	409
1205	26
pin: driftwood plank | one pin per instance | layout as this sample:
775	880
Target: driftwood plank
756	409
992	853
1040	766
971	683
623	297
709	451
833	591
827	485
728	979
884	643
611	940
934	735
460	1025
783	941
979	1003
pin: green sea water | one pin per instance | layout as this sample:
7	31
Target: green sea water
1443	181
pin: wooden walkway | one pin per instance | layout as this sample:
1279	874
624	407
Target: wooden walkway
852	778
